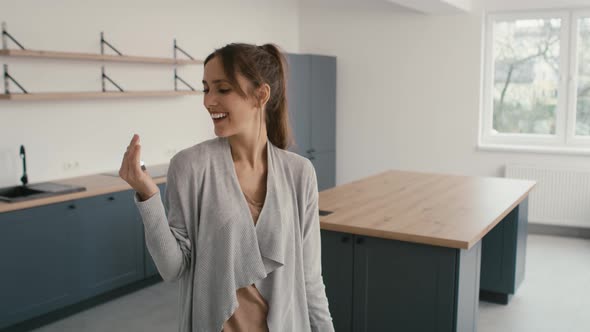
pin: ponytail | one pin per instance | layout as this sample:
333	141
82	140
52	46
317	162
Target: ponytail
277	113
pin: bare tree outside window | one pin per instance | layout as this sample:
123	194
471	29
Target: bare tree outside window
583	93
526	76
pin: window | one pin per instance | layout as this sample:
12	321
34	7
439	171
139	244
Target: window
536	88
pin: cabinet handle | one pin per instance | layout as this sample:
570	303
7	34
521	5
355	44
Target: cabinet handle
360	240
310	150
111	198
345	239
71	206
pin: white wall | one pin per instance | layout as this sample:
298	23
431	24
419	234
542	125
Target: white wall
408	84
408	89
96	132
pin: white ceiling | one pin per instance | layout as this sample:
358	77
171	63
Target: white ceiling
443	7
436	6
499	5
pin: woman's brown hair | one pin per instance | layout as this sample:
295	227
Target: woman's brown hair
259	65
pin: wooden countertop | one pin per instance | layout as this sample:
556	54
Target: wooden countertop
435	209
97	184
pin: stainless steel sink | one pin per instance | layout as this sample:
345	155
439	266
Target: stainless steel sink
35	191
26	192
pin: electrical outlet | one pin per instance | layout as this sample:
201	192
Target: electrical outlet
70	165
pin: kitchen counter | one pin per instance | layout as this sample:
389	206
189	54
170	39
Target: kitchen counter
407	206
96	184
419	244
434	209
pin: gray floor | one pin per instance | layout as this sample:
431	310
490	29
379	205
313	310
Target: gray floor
555	296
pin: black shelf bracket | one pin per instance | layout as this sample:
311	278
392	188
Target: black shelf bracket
103	77
8	78
104	42
178	78
5	36
181	50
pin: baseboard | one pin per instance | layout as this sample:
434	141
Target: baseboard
568	231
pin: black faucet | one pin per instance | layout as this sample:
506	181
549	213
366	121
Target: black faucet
24	178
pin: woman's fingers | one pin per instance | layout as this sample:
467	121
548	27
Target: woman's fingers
126	164
132	172
136	155
135	159
124	168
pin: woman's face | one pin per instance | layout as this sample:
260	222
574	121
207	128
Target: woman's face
221	99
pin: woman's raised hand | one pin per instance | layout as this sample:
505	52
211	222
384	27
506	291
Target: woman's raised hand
131	171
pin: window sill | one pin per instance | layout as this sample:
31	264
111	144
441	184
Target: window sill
534	149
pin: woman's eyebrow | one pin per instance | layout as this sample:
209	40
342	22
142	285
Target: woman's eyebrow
217	81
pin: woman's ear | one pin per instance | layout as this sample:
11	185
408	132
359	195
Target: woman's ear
263	94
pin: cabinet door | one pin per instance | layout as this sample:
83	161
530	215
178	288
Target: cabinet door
150	266
323	103
111	246
299	101
503	255
325	168
337	272
402	286
37	255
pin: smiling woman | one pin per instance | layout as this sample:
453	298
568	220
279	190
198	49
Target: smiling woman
242	232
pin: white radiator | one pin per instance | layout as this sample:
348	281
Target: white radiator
561	196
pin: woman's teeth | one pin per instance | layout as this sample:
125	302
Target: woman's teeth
218	115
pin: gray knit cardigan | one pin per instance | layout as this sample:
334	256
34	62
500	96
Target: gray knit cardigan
203	235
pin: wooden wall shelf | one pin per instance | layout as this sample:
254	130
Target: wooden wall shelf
97	57
91	94
25	95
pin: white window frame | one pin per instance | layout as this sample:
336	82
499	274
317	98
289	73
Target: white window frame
564	140
572	139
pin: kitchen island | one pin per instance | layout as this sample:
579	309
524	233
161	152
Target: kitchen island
412	251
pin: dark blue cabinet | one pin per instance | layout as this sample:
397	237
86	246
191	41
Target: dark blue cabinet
375	284
110	243
503	256
60	254
337	271
396	290
38	257
311	98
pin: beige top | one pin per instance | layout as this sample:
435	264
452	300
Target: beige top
250	316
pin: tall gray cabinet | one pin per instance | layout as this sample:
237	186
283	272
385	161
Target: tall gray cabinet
312	109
